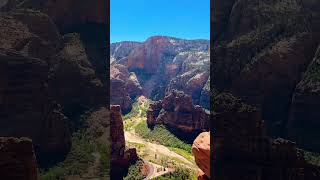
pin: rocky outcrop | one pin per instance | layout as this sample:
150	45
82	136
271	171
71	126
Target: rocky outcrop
177	111
201	153
243	151
161	64
121	157
17	159
117	133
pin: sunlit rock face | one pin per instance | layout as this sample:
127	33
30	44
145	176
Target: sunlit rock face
177	112
201	153
121	158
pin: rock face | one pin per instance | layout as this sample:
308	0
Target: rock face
117	133
121	50
161	64
201	152
177	111
17	159
53	67
71	13
26	109
261	51
73	80
243	151
121	157
124	87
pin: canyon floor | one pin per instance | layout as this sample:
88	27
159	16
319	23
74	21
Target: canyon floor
159	158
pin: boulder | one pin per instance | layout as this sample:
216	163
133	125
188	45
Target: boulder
201	152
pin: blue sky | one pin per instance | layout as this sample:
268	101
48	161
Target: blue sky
136	20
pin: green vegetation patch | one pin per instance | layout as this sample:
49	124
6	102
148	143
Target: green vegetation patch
178	174
76	162
312	158
134	172
183	153
84	151
162	136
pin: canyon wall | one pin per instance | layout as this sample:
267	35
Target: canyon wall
53	62
264	53
159	65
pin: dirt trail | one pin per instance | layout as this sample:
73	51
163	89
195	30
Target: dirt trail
153	170
157	148
154	150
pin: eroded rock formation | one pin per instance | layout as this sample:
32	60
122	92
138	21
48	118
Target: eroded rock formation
17	159
201	153
121	157
177	111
